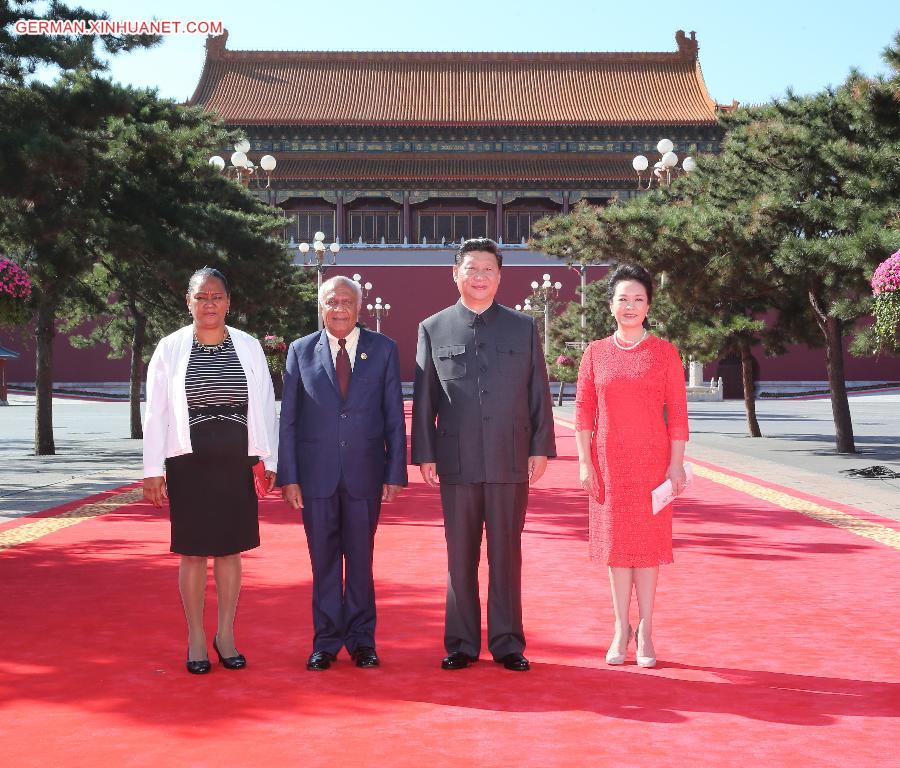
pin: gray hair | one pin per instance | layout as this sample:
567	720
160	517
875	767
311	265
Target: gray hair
202	274
332	283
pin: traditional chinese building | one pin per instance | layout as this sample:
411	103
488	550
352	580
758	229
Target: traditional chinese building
398	155
420	148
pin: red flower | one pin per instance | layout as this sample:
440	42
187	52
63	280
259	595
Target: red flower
14	280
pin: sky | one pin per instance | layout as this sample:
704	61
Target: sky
749	51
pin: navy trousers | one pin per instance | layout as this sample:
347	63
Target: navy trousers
340	531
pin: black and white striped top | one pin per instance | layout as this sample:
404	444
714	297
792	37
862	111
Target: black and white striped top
216	385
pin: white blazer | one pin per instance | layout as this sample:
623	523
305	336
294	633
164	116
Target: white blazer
167	432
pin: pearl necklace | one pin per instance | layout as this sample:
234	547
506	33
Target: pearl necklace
626	347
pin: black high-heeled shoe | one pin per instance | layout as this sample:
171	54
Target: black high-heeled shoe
198	667
229	662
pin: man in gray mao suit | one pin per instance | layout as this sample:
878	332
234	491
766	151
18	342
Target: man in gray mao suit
482	429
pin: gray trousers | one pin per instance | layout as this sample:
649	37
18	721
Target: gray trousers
500	509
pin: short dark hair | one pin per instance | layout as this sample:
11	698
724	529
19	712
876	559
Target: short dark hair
204	272
478	244
630	272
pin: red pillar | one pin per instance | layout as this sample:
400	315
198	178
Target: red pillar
407	231
339	224
498	233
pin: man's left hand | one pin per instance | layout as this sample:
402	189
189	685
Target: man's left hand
390	492
537	465
270	480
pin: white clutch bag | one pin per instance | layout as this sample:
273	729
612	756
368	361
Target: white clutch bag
663	494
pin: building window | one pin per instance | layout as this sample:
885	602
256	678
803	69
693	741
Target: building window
304	225
374	226
519	224
450	227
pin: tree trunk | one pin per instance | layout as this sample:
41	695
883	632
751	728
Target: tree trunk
840	405
833	330
749	388
562	392
138	340
44	332
277	383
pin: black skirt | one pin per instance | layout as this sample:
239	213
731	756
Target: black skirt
212	502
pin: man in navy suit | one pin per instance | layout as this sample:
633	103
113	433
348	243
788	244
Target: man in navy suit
343	450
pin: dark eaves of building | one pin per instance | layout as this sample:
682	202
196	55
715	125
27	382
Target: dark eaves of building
416	147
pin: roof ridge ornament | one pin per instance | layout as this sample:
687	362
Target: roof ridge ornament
687	46
215	45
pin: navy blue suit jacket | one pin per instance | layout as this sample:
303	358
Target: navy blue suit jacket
323	436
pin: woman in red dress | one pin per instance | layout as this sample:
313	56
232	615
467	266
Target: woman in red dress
626	447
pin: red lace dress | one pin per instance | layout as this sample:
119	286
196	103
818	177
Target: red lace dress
621	394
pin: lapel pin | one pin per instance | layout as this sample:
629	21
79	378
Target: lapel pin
364	356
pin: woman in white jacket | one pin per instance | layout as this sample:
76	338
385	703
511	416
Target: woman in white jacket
210	414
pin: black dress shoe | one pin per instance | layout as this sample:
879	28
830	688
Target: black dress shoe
365	656
238	661
198	667
458	660
319	661
514	661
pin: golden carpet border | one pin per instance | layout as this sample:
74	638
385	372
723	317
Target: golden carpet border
36	529
31	531
869	530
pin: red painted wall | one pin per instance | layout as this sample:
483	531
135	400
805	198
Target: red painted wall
70	364
414	293
805	364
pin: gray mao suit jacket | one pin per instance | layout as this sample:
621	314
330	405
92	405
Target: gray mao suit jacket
482	400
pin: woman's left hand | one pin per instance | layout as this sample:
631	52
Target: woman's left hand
155	490
270	479
675	473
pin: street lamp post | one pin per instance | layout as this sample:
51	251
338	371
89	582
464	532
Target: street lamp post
242	168
663	168
379	310
582	274
318	259
365	287
546	291
527	306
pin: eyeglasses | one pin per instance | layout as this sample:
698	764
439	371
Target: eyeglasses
340	303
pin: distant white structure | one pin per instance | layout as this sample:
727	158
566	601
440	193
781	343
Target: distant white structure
697	391
695	373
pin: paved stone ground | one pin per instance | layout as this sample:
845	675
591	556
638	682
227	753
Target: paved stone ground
797	447
94	452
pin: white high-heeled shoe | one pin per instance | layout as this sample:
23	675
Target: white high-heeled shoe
646	662
617	659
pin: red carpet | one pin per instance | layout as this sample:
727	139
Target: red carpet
777	636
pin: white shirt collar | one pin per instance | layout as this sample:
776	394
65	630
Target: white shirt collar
352	341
